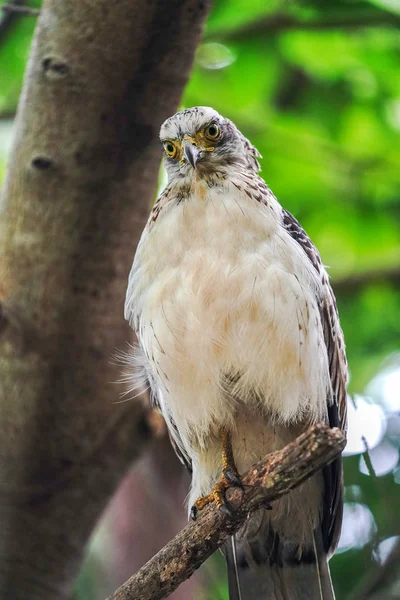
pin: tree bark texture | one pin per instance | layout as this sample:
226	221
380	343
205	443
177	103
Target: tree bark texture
265	482
100	80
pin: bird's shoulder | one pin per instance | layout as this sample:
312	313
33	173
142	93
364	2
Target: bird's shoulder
333	336
296	231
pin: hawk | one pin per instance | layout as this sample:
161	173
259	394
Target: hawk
240	342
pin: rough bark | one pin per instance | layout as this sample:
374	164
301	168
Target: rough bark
101	78
265	482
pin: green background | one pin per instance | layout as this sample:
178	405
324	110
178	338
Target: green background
315	85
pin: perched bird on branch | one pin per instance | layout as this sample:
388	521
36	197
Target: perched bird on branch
240	343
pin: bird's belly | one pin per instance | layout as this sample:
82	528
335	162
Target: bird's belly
229	316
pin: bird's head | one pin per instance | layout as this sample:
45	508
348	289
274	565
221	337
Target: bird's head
199	140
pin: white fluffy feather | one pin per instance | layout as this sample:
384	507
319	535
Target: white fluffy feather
219	287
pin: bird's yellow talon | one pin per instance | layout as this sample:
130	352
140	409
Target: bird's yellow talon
230	477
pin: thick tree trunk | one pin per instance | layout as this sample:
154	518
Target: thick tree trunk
101	78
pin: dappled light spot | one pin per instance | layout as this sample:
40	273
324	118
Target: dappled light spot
391	5
396	475
353	493
367	425
214	56
393	428
384	548
392	112
363	82
385	387
384	459
358	526
6	131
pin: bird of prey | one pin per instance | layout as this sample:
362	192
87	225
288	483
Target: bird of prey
240	343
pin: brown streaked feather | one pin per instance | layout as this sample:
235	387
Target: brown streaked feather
337	406
178	448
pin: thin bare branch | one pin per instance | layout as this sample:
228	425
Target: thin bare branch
377	581
359	280
21	9
265	482
277	23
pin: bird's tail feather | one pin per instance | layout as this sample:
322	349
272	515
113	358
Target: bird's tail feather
307	580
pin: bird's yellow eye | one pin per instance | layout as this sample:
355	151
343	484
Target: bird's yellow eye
171	149
212	132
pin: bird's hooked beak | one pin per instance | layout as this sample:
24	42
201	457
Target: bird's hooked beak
191	153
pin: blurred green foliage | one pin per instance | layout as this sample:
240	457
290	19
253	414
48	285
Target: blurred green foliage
15	40
315	85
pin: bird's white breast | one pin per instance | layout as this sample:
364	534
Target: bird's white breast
220	292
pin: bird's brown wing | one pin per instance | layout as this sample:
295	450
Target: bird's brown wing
183	457
173	436
337	405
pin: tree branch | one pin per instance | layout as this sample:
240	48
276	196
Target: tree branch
277	23
21	9
377	582
354	281
8	17
265	482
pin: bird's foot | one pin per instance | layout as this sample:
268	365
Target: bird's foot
230	478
